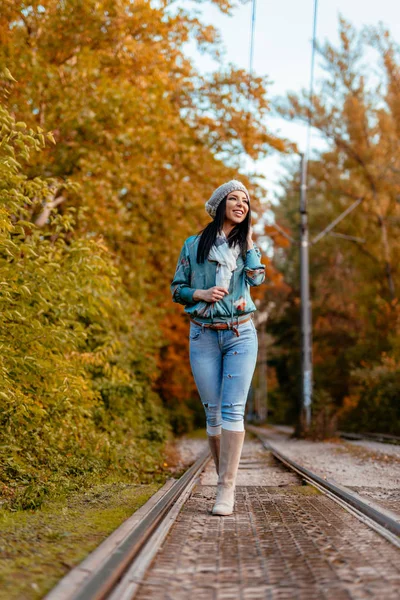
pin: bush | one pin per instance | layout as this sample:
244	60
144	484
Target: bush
374	406
75	383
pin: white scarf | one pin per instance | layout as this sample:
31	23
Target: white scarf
226	258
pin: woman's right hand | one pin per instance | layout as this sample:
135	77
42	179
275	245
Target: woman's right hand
213	294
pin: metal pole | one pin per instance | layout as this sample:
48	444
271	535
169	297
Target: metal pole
306	324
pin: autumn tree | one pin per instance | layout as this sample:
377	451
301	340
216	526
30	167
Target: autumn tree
144	135
354	271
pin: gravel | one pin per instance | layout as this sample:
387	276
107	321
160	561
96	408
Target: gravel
388	449
371	469
189	449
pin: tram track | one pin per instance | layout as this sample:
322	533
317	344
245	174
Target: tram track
118	569
353	436
383	438
375	517
111	577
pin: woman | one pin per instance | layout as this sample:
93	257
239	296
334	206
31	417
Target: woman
212	279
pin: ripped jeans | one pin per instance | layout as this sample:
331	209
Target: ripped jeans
223	366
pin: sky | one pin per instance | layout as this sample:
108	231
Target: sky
282	50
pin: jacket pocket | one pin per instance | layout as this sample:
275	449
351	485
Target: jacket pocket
195	331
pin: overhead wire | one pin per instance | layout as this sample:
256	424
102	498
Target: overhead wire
251	55
311	85
252	30
311	88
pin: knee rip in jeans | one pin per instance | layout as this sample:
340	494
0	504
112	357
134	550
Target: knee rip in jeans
212	408
230	404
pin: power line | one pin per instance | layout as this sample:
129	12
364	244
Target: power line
312	69
251	54
332	225
252	29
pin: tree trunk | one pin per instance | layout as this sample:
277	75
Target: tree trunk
386	252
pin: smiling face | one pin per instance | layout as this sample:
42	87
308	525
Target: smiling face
237	207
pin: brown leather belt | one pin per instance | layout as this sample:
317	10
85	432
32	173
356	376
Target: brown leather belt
223	325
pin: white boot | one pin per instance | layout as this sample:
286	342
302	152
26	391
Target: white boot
214	444
230	452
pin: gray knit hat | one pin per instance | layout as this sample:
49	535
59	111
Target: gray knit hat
219	194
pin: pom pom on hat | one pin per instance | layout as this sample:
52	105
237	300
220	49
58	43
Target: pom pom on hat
219	194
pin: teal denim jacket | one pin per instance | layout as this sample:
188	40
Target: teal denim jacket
190	275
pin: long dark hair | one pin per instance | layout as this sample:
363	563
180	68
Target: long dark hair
238	235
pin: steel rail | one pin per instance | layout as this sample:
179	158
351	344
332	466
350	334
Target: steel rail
385	523
101	583
384	438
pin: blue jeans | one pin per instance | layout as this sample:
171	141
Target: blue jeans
223	366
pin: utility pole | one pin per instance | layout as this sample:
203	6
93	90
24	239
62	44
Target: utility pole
306	322
305	309
306	337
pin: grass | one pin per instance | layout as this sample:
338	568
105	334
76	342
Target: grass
290	490
39	547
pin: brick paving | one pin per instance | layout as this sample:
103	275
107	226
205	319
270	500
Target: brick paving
285	541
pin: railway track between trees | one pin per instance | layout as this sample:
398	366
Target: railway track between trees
379	519
293	535
373	437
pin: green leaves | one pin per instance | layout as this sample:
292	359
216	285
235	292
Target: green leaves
66	335
90	227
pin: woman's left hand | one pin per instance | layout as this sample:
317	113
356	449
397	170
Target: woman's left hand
250	243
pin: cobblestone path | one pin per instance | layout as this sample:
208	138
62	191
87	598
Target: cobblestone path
284	541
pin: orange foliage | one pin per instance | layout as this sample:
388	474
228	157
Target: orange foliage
144	135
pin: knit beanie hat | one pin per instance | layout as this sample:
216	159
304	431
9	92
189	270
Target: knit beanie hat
219	194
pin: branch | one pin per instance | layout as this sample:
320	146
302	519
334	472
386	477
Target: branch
44	215
25	21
